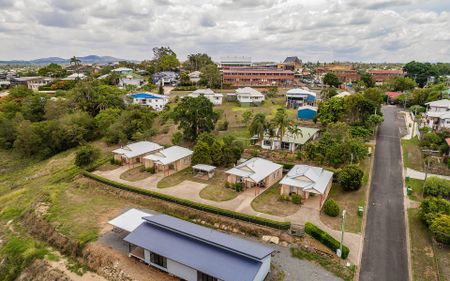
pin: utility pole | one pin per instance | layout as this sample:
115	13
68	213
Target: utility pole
339	253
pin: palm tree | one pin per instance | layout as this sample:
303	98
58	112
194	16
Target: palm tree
76	62
258	126
281	121
295	130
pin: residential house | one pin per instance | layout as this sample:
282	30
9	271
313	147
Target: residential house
298	97
131	79
257	76
256	172
155	101
214	98
165	77
438	114
75	76
306	112
306	180
342	94
192	252
122	70
392	96
248	96
135	152
292	63
174	158
291	142
32	82
194	76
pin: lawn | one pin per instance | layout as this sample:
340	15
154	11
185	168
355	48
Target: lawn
412	155
176	178
349	201
269	202
216	190
417	187
135	174
422	255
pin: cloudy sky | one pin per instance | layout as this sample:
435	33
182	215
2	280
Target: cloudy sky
325	30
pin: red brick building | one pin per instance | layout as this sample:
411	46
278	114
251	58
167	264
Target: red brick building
345	73
380	75
256	76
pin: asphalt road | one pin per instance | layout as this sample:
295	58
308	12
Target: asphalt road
384	252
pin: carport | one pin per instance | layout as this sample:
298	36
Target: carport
129	220
203	169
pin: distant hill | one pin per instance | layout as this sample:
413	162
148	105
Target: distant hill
58	60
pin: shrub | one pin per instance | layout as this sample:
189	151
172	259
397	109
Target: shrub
114	161
283	198
325	239
296	198
435	186
86	155
176	137
299	155
331	208
440	227
254	153
223	126
191	204
350	177
430	208
227	185
151	170
238	187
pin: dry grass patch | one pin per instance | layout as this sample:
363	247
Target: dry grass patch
216	190
135	174
269	202
412	155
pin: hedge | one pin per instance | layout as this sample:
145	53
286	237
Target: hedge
326	239
192	204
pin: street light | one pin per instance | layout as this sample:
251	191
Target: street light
339	251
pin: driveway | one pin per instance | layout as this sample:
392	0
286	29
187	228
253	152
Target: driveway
385	254
190	190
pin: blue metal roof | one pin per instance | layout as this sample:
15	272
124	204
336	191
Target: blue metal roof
231	243
207	258
145	96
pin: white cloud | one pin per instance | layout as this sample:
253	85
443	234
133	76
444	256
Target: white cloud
375	30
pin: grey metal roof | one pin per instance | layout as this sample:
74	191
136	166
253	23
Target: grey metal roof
187	244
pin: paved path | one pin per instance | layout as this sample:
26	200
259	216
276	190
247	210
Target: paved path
414	174
190	190
385	254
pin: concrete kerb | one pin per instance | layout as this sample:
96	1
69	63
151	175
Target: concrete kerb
363	227
405	207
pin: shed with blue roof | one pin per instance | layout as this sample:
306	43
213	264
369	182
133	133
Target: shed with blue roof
192	252
307	112
155	101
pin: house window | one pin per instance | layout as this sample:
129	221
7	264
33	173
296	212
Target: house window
284	145
158	260
205	277
267	143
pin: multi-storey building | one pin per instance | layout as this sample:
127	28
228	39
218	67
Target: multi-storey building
380	75
255	76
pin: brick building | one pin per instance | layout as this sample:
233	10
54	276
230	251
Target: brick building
255	76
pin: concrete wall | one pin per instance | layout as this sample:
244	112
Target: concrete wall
263	270
182	163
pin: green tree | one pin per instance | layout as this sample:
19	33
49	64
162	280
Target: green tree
331	111
201	154
328	93
168	63
331	208
210	76
247	115
20	91
401	84
258	126
331	80
350	178
106	117
295	130
52	70
367	79
177	137
281	121
373	121
86	155
160	89
433	207
440	227
216	151
195	116
197	61
33	107
76	62
184	79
